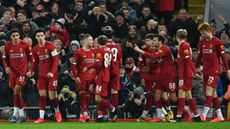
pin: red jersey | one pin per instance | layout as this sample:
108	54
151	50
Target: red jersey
117	54
81	60
150	63
165	57
210	52
16	57
186	68
104	64
46	59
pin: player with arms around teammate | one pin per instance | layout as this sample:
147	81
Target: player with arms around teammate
186	71
15	61
117	59
211	50
45	59
104	65
167	79
84	79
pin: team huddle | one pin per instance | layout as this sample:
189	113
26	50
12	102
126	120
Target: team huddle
96	67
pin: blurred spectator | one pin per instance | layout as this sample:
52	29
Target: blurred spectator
55	11
150	27
129	42
79	25
41	16
96	21
58	31
120	27
23	4
146	15
22	18
165	10
26	30
184	21
133	72
132	13
111	17
113	5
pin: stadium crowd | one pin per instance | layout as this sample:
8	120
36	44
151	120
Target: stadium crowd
116	54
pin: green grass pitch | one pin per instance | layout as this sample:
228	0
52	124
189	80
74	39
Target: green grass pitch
116	125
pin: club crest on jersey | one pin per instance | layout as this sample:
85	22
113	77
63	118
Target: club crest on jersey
11	50
98	55
211	46
204	46
46	50
93	55
186	52
160	51
222	47
20	49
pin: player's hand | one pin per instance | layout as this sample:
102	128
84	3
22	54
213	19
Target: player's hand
50	75
7	69
145	69
78	81
143	82
228	74
84	69
29	74
137	49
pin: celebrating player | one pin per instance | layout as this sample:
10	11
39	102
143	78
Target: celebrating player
211	50
46	60
15	61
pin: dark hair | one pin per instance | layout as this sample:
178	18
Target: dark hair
22	11
149	36
84	36
102	40
40	30
13	31
108	32
160	37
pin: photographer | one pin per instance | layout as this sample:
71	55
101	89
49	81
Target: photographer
135	105
68	102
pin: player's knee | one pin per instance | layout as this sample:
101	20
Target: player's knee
17	89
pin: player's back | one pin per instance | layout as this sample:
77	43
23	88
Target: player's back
104	56
116	52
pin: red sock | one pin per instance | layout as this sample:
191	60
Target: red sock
21	104
181	103
42	102
158	104
54	103
216	103
105	103
83	103
16	101
149	103
115	100
87	99
208	101
192	105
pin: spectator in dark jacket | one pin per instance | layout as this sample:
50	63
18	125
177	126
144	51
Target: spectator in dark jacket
184	21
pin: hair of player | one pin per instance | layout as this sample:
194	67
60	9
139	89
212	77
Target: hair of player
160	37
40	30
204	26
13	31
102	40
84	36
149	36
181	34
